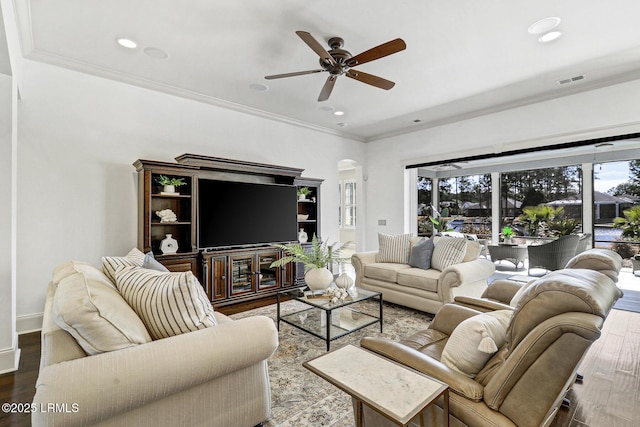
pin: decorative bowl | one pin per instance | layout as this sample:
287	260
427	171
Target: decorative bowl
302	217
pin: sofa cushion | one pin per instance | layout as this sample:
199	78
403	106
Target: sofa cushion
473	250
448	251
111	263
421	254
168	303
419	278
475	340
69	268
393	248
96	315
387	272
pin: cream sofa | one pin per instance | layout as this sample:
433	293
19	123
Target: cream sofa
215	376
424	290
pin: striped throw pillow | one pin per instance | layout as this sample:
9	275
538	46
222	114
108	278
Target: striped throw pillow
448	251
393	248
168	303
110	264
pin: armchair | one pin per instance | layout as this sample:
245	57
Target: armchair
554	323
553	255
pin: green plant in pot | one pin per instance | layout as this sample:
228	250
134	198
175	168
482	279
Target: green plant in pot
170	184
507	233
303	192
316	259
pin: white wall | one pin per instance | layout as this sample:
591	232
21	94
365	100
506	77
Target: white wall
603	112
79	136
8	336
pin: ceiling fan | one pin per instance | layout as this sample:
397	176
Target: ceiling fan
338	62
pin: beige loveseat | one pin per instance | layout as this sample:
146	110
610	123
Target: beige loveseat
424	289
215	376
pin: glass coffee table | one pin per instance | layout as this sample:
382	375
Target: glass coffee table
329	321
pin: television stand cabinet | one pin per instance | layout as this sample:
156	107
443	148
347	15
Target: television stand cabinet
228	275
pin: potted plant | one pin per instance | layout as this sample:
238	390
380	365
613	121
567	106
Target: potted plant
170	184
507	233
316	260
303	192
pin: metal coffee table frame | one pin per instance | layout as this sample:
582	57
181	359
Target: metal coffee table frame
329	321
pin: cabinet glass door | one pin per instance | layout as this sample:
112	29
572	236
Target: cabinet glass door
269	276
242	274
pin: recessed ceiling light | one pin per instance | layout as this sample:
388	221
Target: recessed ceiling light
156	53
342	124
128	43
544	25
338	113
259	87
549	37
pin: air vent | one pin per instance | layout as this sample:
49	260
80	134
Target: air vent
571	79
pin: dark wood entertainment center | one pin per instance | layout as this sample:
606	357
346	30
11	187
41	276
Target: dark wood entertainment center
228	275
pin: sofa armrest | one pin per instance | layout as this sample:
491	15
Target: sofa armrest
481	304
412	358
359	260
119	381
471	271
502	290
449	316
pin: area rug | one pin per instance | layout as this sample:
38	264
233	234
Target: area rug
629	302
299	397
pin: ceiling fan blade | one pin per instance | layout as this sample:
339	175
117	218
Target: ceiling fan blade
378	52
370	79
327	88
315	46
297	73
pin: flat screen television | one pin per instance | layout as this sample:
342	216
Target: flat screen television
245	214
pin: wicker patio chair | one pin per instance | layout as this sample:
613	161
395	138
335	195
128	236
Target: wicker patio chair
584	243
553	255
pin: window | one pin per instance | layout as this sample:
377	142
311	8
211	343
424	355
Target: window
616	209
424	205
347	204
542	203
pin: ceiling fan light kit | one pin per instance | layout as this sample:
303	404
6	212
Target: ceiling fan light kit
338	61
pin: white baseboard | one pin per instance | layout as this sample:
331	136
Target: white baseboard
10	358
29	323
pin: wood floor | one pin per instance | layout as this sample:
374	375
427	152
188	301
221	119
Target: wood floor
608	397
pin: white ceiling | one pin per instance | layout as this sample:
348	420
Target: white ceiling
463	58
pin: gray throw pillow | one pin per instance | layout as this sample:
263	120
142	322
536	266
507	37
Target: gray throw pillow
151	263
421	254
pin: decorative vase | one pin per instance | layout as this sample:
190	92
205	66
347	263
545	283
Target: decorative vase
302	236
318	278
302	197
507	240
169	189
344	281
169	245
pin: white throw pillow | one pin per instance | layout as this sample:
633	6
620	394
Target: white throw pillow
110	264
393	248
96	315
168	303
448	251
475	340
